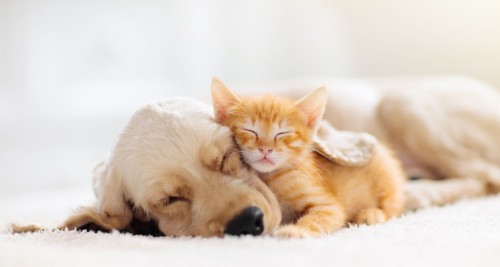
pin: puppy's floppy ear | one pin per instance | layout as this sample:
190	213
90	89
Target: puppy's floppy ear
313	106
222	100
342	147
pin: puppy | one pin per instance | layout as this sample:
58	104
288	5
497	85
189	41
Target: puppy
174	165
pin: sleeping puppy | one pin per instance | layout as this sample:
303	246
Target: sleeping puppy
176	166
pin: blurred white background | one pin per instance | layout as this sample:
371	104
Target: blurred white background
71	72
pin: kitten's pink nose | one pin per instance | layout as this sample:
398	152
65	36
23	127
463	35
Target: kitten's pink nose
265	151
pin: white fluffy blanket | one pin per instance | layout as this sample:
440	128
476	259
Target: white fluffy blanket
464	234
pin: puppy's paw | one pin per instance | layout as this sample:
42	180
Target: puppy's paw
415	202
493	180
15	228
292	231
370	216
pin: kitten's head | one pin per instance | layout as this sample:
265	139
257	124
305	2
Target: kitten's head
271	131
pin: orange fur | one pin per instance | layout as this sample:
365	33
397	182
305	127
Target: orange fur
316	195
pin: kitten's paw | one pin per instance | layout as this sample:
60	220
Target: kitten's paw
291	231
370	216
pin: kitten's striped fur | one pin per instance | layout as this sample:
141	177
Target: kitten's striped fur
317	196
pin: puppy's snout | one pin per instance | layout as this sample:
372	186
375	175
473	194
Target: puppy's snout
248	222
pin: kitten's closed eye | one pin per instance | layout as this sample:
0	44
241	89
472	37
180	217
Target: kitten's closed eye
252	132
282	134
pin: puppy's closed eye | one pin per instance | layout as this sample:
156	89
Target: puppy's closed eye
172	206
164	202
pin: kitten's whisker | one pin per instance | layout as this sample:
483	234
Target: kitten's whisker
305	167
291	166
299	166
319	164
319	152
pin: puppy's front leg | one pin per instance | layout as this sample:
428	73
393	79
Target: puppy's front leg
88	218
112	211
90	215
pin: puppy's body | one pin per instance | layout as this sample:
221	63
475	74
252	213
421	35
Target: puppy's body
443	129
173	164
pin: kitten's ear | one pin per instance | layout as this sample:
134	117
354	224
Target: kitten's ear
343	147
313	106
222	100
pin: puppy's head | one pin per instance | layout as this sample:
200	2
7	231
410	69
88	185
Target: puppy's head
175	165
193	182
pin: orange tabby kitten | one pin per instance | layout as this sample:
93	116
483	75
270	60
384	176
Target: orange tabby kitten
317	195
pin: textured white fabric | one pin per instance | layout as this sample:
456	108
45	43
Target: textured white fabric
464	234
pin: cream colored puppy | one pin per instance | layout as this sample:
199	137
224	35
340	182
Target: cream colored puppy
173	164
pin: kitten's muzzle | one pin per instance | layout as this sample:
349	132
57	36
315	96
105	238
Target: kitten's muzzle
249	222
265	151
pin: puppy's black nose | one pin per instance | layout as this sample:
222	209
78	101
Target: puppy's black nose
248	222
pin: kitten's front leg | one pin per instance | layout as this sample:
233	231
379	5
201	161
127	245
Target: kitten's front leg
303	193
318	218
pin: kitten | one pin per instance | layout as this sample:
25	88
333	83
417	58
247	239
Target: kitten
318	196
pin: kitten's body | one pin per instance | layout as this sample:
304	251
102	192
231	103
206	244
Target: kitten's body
317	195
368	194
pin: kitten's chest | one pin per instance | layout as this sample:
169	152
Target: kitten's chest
292	190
